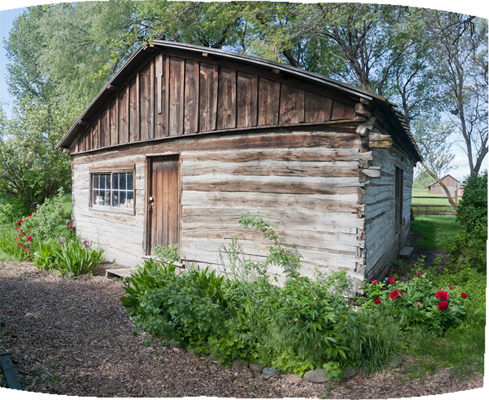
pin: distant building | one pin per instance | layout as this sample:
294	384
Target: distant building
450	182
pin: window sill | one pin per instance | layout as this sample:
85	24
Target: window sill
113	210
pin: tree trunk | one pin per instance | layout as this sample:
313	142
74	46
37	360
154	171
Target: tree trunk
451	201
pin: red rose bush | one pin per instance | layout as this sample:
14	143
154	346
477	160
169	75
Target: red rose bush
416	303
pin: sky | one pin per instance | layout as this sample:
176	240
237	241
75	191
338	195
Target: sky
479	8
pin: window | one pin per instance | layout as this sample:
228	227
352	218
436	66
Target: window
114	190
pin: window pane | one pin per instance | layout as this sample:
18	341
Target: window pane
96	200
107	198
129	180
115	181
101	181
115	198
123	199
107	181
122	181
130	200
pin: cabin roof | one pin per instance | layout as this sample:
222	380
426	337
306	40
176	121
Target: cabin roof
146	52
447	175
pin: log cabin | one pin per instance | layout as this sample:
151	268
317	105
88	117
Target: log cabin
183	139
452	184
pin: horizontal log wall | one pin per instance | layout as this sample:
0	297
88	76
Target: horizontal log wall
382	244
309	181
173	96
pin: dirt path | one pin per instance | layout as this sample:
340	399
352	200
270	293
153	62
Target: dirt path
72	337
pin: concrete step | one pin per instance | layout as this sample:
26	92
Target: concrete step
406	252
119	272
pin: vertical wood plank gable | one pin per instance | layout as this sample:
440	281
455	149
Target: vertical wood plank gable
114	134
104	128
152	99
82	141
177	76
208	104
159	80
123	116
291	105
268	102
133	111
145	102
317	108
161	120
226	106
342	111
94	135
247	102
191	119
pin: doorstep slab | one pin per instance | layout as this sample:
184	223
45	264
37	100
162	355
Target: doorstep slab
119	273
406	252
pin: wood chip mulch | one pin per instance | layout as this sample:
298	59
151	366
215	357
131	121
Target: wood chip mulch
72	337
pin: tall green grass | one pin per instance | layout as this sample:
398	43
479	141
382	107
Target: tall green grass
434	230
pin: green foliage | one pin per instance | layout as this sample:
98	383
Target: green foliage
31	168
13	209
296	327
167	254
472	210
48	222
468	248
46	255
77	256
418	304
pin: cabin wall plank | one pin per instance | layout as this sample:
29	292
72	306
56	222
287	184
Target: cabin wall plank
316	210
380	211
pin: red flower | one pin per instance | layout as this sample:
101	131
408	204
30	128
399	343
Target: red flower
374	282
26	249
452	287
31	215
62	218
441	294
418	303
464	295
19	244
419	272
69	225
29	238
395	294
378	300
443	305
17	228
392	280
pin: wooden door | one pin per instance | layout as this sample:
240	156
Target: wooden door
164	201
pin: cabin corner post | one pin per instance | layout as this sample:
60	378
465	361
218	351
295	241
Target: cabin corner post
147	217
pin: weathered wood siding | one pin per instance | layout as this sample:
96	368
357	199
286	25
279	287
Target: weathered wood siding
451	183
179	93
309	181
382	243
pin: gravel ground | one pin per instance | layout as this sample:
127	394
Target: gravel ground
72	337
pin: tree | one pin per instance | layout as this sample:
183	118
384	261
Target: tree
462	65
31	169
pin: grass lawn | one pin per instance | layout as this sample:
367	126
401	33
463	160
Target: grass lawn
67	205
434	230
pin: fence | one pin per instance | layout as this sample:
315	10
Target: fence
433	209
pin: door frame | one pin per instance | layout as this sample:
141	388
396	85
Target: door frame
148	164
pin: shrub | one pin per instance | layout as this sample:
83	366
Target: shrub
417	304
167	254
48	221
468	248
13	209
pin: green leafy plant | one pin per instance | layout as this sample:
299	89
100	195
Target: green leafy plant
418	303
77	257
46	255
167	254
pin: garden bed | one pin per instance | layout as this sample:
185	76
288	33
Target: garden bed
75	338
